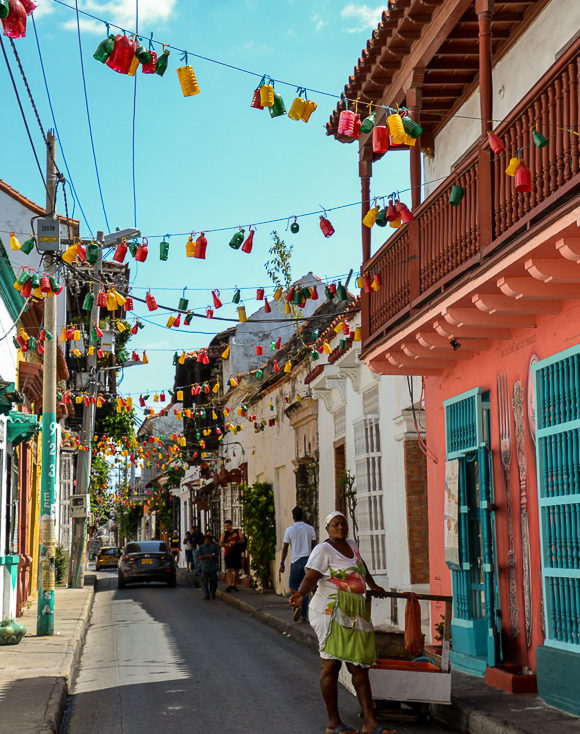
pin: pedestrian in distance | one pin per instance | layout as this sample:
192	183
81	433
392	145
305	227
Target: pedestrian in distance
175	547
188	548
208	553
197	539
234	542
301	538
340	615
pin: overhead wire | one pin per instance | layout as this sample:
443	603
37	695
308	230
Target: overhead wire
134	126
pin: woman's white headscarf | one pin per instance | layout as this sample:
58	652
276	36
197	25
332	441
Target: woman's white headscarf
333	515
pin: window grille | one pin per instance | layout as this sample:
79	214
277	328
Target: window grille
369	493
340	423
66	489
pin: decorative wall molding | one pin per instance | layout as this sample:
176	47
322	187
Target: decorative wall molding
324	394
353	373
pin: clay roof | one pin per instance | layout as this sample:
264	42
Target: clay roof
36	208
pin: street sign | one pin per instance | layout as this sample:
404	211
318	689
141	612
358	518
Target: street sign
48	234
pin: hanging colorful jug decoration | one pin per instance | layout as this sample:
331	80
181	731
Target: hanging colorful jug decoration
151	302
189	85
456	195
248	244
326	227
495	143
523	179
122	55
396	128
216	299
142	251
200	247
120	251
14	23
371	216
237	239
164	248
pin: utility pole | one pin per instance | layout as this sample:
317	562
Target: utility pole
46	567
76	569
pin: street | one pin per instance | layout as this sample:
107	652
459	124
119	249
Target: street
160	659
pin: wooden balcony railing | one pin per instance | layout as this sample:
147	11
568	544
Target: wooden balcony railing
443	241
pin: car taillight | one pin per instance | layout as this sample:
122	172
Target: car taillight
167	557
125	558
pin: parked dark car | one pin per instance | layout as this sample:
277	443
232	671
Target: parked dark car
146	560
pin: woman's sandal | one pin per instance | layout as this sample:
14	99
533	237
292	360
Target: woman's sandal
342	728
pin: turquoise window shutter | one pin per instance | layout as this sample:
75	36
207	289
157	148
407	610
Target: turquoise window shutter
557	390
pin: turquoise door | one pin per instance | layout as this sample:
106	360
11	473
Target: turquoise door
474	626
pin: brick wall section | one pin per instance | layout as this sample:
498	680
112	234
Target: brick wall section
417	515
339	468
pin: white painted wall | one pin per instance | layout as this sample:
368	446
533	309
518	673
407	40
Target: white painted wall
513	77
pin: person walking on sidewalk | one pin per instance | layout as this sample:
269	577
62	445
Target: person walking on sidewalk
340	615
175	547
234	543
207	554
301	537
188	548
197	539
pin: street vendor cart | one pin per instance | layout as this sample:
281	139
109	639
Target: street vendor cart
404	688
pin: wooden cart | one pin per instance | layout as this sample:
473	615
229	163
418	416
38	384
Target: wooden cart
404	688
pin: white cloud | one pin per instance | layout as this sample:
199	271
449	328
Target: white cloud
318	22
42	10
367	17
122	13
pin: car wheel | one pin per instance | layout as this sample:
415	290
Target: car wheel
121	583
172	583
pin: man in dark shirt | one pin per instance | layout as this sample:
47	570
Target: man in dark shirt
208	553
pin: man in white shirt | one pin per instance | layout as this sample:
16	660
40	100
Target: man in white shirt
302	538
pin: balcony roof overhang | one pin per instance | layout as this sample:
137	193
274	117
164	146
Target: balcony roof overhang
508	292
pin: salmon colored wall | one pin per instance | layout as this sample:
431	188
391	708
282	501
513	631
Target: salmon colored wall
552	334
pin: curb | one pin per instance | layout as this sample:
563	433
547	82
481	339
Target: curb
469	719
294	631
193	579
56	705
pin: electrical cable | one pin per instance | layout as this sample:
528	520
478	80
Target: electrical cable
23	115
134	125
69	179
89	114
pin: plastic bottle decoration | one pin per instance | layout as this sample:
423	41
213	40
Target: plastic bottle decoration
29	6
14	242
162	61
259	374
456	195
290	295
346	123
111	301
188	318
278	108
377	281
370	217
412	128
122	55
4	8
267	307
28	245
242	314
341	294
200	247
236	296
134	66
404	212
328	294
275	365
513	166
120	252
209	313
45	285
259	350
14	25
142	251
278	342
295	227
288	366
164	248
189	85
177	322
357	337
92	253
381	139
255	103
369	122
190	247
539	140
267	95
149	67
247	246
309	108
70	253
496	144
381	220
297	109
366	283
151	302
396	128
523	179
216	299
183	304
326	227
260	294
170	321
278	293
88	302
133	247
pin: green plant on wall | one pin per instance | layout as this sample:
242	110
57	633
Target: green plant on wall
347	491
128	520
259	526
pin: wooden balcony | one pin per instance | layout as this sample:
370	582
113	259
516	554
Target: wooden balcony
444	245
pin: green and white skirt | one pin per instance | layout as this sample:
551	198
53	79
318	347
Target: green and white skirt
347	634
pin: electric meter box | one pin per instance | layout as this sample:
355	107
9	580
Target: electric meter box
48	234
79	505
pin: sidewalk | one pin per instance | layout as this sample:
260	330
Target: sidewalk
35	674
476	708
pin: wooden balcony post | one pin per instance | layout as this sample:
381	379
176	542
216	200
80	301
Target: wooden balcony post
484	10
365	171
414	97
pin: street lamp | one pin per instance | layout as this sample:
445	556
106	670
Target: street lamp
109	240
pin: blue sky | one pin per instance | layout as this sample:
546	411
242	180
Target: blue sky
205	162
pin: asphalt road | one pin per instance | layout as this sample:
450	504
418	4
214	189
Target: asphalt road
164	660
